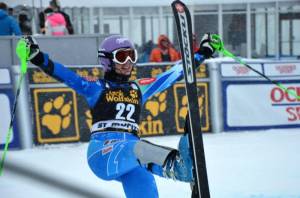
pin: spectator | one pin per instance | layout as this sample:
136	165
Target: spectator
42	22
146	51
195	43
25	23
55	23
164	51
10	11
8	25
54	5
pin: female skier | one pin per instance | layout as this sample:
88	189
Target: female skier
115	151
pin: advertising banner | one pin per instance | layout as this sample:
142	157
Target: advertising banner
181	106
239	70
282	69
5	118
5	77
6	103
56	116
260	105
37	76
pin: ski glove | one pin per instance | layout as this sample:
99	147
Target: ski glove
206	49
32	46
37	57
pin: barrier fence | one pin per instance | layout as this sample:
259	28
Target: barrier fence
231	97
251	103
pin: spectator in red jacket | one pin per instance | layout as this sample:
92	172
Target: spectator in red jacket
195	43
164	51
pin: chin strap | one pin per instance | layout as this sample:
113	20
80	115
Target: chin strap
115	77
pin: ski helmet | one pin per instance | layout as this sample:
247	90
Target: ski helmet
109	45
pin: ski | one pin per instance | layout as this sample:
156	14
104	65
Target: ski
184	29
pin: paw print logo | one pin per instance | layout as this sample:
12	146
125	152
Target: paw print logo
133	74
157	104
96	72
184	109
181	105
201	72
89	118
156	71
57	114
133	93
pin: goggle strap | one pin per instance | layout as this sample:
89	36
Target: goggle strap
105	54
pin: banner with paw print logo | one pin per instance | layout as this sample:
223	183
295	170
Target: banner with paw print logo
56	117
181	106
89	72
156	118
85	118
202	71
157	114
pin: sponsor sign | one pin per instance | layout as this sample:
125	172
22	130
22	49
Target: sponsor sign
91	73
156	115
254	105
239	70
6	102
282	69
120	124
5	76
5	118
56	117
181	106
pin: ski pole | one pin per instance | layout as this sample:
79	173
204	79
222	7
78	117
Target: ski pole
22	54
218	44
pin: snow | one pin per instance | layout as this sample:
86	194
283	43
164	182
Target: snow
262	164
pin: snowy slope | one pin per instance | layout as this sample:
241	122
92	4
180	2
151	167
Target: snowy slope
261	164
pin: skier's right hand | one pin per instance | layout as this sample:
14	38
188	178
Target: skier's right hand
32	46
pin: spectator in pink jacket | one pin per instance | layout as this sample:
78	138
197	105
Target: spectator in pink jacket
55	24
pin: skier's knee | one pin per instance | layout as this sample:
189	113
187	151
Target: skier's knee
147	153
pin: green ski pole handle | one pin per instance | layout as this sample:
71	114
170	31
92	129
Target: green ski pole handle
23	54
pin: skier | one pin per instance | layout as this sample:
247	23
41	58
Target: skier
115	150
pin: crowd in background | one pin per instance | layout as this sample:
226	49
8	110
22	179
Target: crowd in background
54	22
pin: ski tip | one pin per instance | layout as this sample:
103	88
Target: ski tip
179	6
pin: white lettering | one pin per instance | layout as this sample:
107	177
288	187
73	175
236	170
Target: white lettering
187	58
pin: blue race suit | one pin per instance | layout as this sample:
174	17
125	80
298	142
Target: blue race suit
115	109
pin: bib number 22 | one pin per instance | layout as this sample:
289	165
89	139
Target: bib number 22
122	109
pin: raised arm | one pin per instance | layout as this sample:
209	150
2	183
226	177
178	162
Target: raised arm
151	86
90	90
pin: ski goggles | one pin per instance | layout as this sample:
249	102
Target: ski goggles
121	55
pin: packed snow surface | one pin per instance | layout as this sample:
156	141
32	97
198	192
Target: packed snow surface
262	164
